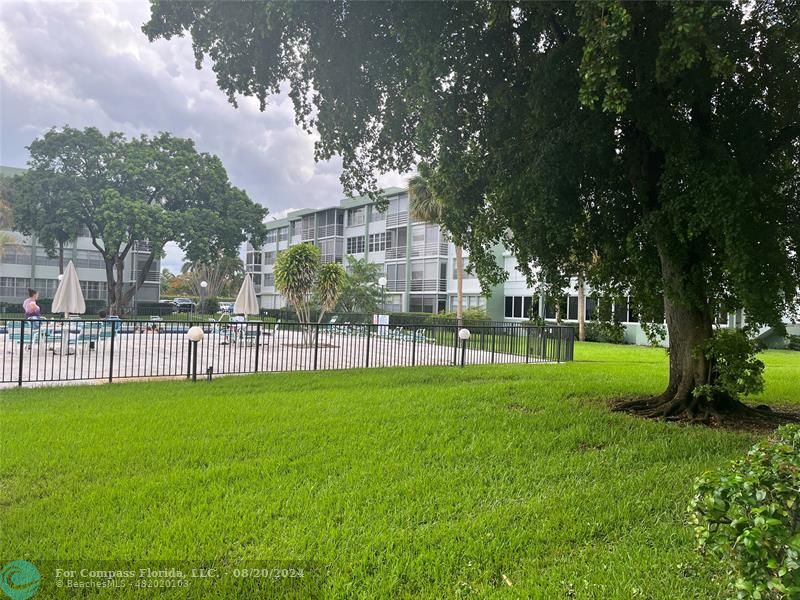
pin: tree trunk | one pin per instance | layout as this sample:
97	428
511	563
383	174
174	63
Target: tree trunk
581	308
110	284
60	257
459	284
690	327
119	267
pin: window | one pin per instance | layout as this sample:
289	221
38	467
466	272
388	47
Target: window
620	309
268	279
272	236
572	308
468	301
591	309
397	204
331	250
633	315
377	242
396	277
376	215
356	216
94	290
518	307
253	258
269	257
88	259
17	255
283	234
427	303
307	227
355	245
468	271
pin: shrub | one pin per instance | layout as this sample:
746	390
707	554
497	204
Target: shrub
605	331
736	371
794	342
748	515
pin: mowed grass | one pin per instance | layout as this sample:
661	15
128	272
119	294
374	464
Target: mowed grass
397	483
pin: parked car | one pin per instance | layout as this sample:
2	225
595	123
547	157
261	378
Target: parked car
226	307
184	305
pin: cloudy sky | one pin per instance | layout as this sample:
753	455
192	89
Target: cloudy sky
88	63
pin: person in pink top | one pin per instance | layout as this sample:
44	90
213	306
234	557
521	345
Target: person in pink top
31	307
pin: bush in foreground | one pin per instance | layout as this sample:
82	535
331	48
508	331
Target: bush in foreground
748	515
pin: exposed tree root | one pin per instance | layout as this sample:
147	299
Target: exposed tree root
715	412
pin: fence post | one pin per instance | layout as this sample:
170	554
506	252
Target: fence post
558	347
455	345
258	340
22	347
188	362
527	344
494	336
368	345
111	360
194	360
316	345
414	347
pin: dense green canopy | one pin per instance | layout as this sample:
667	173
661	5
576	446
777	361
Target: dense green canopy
149	189
653	143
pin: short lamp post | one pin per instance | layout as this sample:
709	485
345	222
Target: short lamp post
203	286
463	335
195	335
382	283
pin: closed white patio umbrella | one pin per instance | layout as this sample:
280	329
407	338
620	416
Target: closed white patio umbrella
69	297
246	301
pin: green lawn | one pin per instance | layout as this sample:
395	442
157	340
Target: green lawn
397	483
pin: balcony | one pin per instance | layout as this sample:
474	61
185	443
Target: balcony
330	230
396	285
395	253
428	285
142	246
434	249
397	219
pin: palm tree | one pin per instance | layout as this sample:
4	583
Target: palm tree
425	206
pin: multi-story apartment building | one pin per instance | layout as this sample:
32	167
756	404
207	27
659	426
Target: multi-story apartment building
417	259
419	265
24	264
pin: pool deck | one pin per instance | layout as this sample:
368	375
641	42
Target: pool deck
164	355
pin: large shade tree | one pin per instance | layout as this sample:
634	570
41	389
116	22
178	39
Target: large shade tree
662	137
134	195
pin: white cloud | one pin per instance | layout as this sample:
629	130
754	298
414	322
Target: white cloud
89	64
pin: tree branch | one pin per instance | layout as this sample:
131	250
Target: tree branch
784	137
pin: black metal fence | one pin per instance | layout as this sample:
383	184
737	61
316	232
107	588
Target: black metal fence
37	352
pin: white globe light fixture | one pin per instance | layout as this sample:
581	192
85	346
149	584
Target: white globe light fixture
204	284
382	282
60	277
463	335
195	334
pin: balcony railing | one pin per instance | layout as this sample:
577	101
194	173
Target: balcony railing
394	253
330	230
434	249
142	246
428	285
395	219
